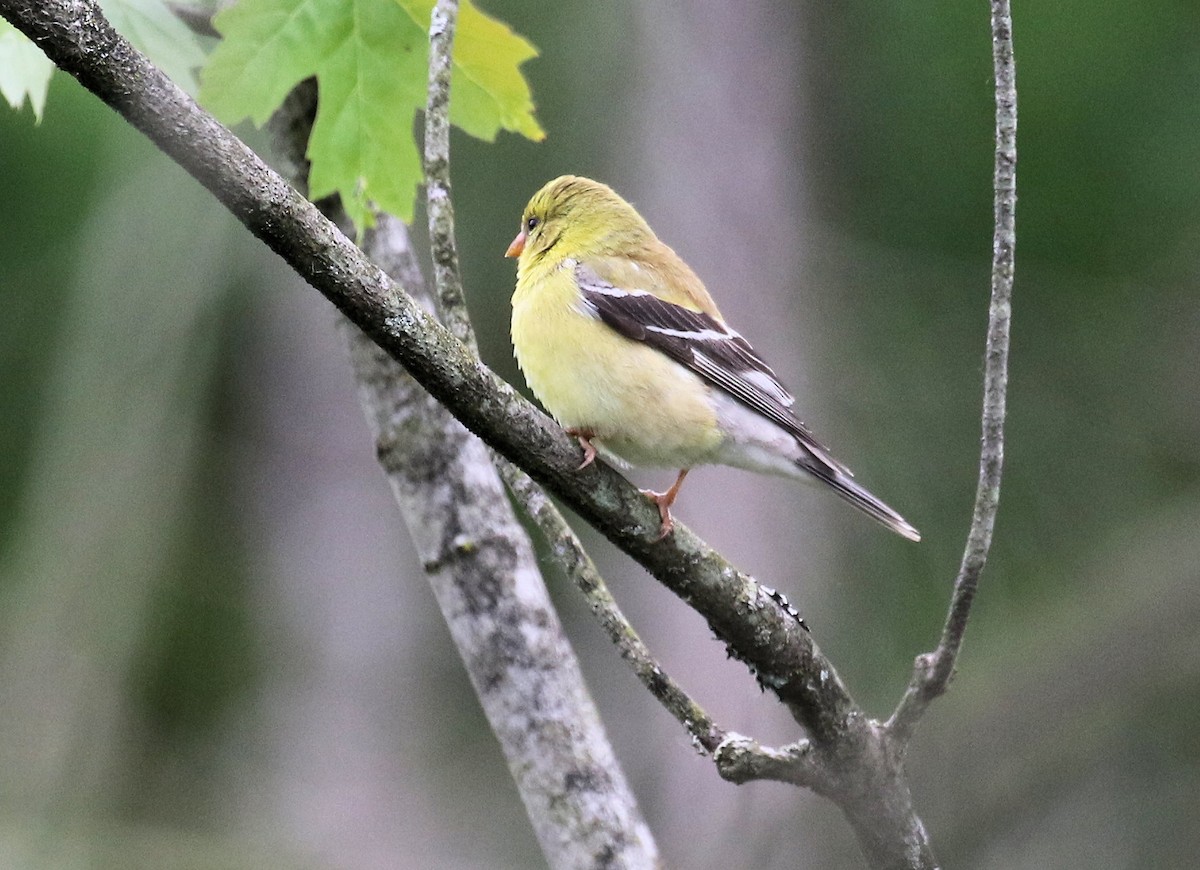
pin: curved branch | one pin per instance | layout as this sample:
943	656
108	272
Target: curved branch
933	671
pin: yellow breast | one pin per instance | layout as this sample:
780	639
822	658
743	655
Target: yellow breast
641	405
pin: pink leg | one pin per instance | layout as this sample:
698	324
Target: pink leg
664	500
584	437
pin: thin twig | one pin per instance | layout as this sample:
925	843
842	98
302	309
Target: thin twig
447	277
564	544
933	671
573	559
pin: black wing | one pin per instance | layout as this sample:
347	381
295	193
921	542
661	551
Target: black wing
703	344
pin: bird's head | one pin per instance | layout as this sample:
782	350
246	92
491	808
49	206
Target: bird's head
576	217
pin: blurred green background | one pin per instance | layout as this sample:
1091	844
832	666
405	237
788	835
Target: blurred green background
216	646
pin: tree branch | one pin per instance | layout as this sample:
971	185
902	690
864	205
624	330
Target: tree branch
740	759
932	672
447	277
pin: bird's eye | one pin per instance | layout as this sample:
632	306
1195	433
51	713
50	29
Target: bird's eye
531	224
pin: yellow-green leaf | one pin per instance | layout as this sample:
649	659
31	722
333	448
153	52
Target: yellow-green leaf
487	91
370	61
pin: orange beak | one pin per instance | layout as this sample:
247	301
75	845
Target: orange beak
517	246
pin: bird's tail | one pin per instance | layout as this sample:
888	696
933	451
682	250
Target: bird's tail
845	486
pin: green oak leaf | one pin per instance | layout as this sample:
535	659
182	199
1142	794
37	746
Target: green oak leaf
370	61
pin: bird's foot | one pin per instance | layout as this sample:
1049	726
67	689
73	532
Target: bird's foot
584	436
663	501
664	511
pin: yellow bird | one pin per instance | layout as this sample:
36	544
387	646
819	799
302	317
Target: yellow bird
620	341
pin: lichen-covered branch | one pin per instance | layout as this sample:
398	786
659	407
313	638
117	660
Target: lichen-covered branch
933	671
741	759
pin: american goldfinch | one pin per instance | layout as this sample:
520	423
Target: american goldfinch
622	344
